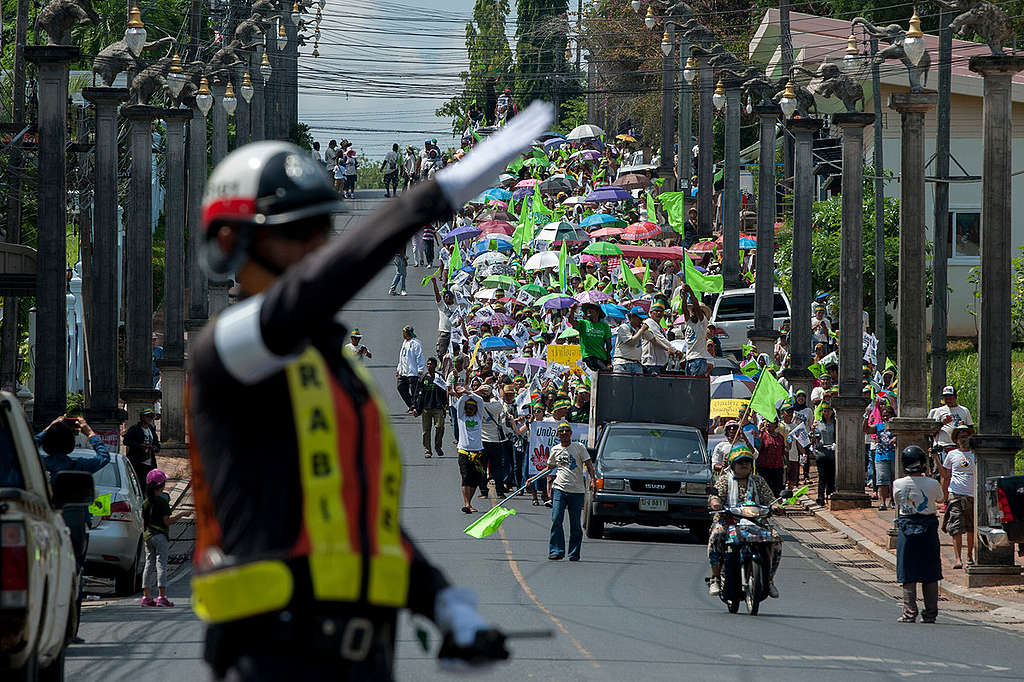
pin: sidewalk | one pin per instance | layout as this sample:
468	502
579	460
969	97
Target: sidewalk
869	530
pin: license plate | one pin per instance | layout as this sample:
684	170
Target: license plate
653	504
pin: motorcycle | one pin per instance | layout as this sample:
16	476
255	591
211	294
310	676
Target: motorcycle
747	565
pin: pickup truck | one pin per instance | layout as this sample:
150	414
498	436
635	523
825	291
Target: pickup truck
38	577
648	441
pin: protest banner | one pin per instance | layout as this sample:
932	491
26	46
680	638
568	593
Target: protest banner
564	354
543	435
727	407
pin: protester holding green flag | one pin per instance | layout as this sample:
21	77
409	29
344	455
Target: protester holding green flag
767	393
569	459
698	281
455	262
628	277
695	333
673	203
563	270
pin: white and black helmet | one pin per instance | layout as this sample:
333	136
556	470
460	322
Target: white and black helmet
260	185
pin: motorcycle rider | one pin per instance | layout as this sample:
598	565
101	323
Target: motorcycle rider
740	484
301	564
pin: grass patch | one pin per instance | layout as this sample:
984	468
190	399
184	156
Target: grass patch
962	372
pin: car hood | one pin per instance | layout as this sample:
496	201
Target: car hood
653	470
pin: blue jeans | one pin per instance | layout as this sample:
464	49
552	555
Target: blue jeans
654	369
628	368
696	368
870	478
400	271
560	502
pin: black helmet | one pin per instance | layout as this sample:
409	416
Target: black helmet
914	459
263	184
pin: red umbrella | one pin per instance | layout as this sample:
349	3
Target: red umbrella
528	182
700	247
495	227
607	232
638	231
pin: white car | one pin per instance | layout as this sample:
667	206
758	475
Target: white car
733	315
115	541
39	587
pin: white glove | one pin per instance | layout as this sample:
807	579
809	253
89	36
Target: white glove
455	612
463	180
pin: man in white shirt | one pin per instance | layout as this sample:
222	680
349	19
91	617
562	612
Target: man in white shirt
495	432
656	348
389	167
444	322
950	415
820	327
411	366
356	346
627	357
695	333
569	460
469	420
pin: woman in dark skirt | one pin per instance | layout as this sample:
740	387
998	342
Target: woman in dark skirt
917	546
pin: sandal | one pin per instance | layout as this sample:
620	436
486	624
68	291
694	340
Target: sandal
957	565
536	503
467	510
427	455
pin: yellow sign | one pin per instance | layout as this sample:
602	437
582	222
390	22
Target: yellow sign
727	407
564	354
101	506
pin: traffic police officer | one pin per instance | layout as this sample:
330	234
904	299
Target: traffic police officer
301	564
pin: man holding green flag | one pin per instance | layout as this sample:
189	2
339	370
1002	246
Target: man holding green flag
563	271
455	262
767	393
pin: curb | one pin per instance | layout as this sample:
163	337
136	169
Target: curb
958	592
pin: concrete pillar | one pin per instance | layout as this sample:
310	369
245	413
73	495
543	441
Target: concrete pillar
257	128
803	130
665	169
849	406
763	334
685	118
219	128
706	155
198	304
102	317
172	366
51	228
911	426
995	445
138	391
731	200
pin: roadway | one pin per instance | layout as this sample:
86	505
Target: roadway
636	606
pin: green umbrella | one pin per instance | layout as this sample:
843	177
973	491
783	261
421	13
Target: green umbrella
498	280
569	334
603	249
535	289
544	299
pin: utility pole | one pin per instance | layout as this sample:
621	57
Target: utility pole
940	252
880	298
9	337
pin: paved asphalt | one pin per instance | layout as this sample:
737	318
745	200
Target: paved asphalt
635	607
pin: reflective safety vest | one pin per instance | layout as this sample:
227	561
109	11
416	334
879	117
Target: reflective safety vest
327	426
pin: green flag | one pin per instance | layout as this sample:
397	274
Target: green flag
524	231
512	208
767	393
797	494
750	368
628	277
590	282
101	506
431	276
889	364
816	369
610	288
701	283
674	204
574	270
658	181
747	349
563	271
647	275
516	165
489	522
455	262
538	202
652	210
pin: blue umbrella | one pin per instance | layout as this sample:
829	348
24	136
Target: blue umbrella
560	303
554	143
549	135
609	193
484	246
460	233
496	193
600	219
497	343
747	243
614	312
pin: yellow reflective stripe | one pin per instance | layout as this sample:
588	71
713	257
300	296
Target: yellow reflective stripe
389	568
335	570
241	591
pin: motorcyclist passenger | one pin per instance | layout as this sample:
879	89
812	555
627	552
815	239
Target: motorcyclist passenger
739	485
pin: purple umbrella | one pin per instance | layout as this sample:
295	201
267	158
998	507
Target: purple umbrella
520	364
521	192
594	296
497	320
560	303
609	193
464	232
588	155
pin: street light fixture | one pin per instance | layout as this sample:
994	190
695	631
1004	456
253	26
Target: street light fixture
265	68
175	76
282	37
750	106
296	14
246	88
666	44
636	5
690	70
650	20
135	34
229	101
788	101
913	43
204	99
719	97
851	60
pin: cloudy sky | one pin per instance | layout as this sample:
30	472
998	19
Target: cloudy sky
384	67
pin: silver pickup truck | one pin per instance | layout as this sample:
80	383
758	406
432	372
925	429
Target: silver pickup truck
38	576
648	442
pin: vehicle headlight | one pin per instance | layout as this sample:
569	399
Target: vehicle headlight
696	488
751	512
614	484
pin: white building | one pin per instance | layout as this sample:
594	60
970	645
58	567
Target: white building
816	39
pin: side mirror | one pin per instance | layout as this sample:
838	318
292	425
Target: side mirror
786	494
711	490
73	487
593	454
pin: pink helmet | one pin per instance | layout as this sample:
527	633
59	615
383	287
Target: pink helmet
156	477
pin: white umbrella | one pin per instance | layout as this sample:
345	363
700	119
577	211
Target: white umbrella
505	177
584	132
639	168
484	294
572	201
544	259
490	257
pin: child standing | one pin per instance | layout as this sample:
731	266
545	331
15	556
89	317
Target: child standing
917	547
157	519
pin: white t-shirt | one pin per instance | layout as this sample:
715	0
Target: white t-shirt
470	432
961	467
652	353
916	495
391	162
960	415
696	336
720	454
339	171
351	165
570	462
444	311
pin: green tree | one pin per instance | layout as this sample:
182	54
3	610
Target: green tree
490	63
542	34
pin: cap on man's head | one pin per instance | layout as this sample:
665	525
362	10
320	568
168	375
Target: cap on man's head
658	305
949	390
148	412
638	311
564	425
407	329
355	334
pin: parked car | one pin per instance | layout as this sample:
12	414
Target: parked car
115	540
39	588
733	316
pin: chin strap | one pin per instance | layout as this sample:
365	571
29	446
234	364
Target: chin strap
272	268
